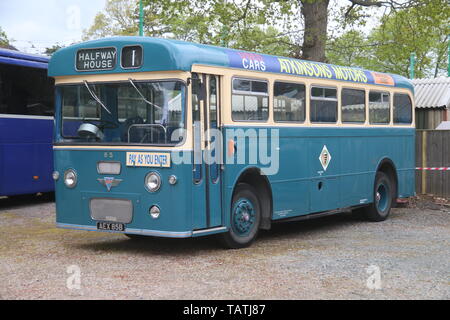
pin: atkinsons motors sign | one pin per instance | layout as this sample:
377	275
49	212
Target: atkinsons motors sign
96	59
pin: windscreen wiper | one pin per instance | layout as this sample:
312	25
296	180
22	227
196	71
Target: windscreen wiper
142	96
94	96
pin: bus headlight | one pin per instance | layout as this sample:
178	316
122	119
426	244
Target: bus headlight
55	175
70	178
152	181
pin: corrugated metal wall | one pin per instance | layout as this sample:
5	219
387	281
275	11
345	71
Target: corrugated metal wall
429	118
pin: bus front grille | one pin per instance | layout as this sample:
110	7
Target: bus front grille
109	209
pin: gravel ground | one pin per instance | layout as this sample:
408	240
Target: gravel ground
336	257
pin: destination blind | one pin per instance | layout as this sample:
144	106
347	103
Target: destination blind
96	59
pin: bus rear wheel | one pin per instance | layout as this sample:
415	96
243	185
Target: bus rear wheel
382	199
245	218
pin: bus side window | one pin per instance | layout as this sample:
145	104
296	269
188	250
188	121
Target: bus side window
250	100
26	91
402	109
195	97
213	101
379	107
353	104
323	104
288	102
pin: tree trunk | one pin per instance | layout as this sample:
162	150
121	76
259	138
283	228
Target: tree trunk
315	13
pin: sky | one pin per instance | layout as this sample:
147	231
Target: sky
43	23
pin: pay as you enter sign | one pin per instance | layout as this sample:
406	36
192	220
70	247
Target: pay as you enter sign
148	159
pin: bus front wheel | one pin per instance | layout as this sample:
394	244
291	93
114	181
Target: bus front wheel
245	218
382	199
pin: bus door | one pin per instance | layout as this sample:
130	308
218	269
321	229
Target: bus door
324	162
207	208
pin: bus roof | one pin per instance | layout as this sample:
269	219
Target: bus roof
23	59
166	55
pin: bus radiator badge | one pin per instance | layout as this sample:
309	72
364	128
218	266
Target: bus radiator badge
109	182
325	158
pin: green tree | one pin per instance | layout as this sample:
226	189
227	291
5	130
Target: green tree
51	50
245	26
421	28
4	41
349	49
296	28
118	18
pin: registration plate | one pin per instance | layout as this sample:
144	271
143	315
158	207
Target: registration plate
110	226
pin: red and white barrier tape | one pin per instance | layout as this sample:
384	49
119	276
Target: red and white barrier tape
435	168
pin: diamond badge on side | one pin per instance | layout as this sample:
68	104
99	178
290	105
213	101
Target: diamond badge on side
325	158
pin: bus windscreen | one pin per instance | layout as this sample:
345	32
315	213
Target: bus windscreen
136	112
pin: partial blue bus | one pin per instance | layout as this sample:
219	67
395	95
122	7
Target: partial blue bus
26	124
164	138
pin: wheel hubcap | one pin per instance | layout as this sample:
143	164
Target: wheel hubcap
243	216
382	197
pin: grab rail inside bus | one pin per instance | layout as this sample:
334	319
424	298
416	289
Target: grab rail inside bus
151	125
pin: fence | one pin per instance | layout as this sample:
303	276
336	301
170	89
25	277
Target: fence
433	162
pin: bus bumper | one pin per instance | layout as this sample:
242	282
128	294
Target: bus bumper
145	232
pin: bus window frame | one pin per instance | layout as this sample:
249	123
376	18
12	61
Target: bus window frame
75	140
238	92
412	109
49	83
389	122
366	106
310	97
273	101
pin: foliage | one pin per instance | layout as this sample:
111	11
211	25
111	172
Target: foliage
51	50
248	25
118	18
277	27
4	41
422	29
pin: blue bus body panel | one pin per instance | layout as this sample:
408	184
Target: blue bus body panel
348	180
169	55
175	201
26	158
18	58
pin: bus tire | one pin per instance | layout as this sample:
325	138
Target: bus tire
382	195
245	218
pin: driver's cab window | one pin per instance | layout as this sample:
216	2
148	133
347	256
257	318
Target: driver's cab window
250	100
130	104
146	112
78	104
150	111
